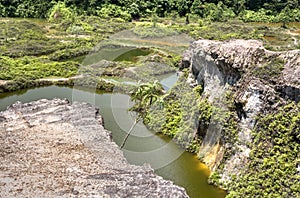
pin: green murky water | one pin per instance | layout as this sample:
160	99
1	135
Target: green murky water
113	54
132	55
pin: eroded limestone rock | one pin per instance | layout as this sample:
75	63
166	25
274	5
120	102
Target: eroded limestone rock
51	148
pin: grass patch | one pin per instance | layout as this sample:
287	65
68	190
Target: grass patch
34	68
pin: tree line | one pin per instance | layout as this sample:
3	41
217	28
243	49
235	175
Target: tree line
247	10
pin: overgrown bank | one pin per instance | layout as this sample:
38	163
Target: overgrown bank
261	148
274	161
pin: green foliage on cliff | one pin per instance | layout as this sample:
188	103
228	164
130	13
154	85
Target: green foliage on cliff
184	115
270	71
272	171
174	115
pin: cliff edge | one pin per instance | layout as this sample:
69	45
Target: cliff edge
52	148
257	81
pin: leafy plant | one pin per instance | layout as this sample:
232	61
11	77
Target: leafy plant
61	12
146	94
110	10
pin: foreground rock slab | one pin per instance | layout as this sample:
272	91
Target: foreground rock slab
51	148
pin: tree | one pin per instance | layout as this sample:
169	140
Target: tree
254	4
236	5
60	12
146	94
219	12
197	8
288	15
184	7
283	17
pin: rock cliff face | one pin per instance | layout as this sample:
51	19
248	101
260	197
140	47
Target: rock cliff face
259	80
52	148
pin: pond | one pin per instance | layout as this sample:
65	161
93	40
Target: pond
117	53
142	146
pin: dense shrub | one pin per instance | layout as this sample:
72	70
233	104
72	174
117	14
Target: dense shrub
61	12
262	15
111	10
210	11
272	171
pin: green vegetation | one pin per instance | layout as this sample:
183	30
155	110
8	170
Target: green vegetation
145	95
248	10
184	115
32	69
274	151
274	157
174	115
270	71
59	40
147	31
26	72
31	50
60	12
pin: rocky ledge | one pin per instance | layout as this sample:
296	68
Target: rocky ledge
52	148
242	63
